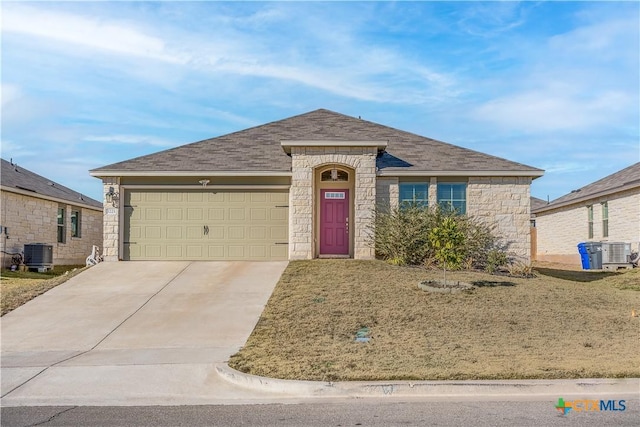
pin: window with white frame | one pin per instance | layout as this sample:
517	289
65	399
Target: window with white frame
453	196
590	221
75	223
605	219
60	225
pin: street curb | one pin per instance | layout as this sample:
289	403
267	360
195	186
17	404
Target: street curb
505	388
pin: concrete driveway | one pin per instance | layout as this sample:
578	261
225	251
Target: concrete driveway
134	333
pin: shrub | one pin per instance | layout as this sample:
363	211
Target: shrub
446	240
401	236
495	259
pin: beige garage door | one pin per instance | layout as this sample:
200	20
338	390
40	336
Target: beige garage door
205	225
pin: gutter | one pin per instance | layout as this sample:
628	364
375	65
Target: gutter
100	174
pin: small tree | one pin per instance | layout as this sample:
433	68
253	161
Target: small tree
447	240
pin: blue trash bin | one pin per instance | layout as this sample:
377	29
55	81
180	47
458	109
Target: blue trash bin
584	256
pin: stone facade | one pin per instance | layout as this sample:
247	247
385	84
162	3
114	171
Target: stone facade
504	202
305	161
499	201
111	223
27	219
560	230
387	195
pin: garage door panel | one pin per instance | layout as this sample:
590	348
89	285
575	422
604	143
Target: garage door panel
281	234
153	214
174	214
174	251
258	197
175	197
278	214
152	197
236	251
194	232
194	251
237	214
216	197
258	251
279	252
174	232
194	214
236	232
216	252
195	197
258	214
216	232
237	197
152	233
280	198
204	224
216	214
257	233
152	251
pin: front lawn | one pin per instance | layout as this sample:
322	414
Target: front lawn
507	328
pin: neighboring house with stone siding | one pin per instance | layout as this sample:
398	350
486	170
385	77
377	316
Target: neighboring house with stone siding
300	188
37	210
607	210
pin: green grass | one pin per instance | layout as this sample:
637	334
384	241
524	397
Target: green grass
544	327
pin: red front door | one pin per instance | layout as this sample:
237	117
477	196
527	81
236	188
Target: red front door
334	222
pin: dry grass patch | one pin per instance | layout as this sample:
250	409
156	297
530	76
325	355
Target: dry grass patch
545	327
18	288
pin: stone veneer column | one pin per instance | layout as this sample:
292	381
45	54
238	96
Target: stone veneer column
505	203
387	192
432	195
304	160
301	206
111	222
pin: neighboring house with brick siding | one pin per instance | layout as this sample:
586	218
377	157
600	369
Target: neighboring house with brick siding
300	188
607	210
37	210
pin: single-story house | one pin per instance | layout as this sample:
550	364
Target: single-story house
38	210
300	188
607	210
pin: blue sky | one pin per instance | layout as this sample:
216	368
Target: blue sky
554	85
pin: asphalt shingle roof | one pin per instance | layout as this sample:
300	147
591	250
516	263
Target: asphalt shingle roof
259	149
14	176
537	203
623	180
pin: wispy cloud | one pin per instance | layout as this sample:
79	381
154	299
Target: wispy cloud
543	83
129	140
85	31
343	69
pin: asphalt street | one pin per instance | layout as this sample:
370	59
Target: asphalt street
354	412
